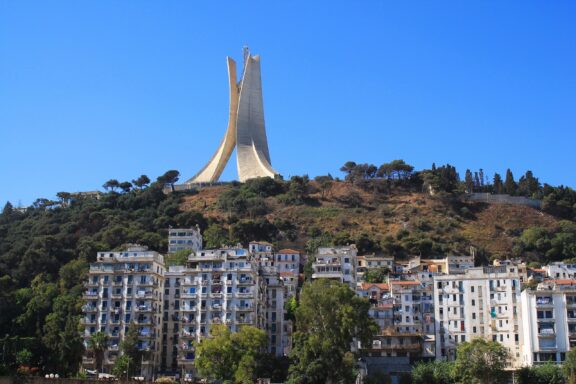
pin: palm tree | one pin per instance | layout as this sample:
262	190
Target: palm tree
98	343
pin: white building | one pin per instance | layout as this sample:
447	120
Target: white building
549	321
125	288
219	286
171	319
338	263
560	270
483	302
184	239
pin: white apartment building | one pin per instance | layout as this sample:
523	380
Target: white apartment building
125	287
560	270
287	260
549	321
184	239
171	319
482	302
219	286
279	331
448	265
338	263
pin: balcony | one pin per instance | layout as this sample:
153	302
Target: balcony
187	308
142	294
502	288
90	295
188	295
451	290
89	308
244	308
546	332
86	321
244	281
544	301
143	308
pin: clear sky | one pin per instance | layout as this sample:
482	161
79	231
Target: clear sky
94	90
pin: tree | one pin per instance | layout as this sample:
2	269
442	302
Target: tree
111	184
7	210
376	275
498	185
325	183
569	366
170	177
528	185
347	168
98	343
548	373
230	356
125	186
469	182
481	361
141	182
122	366
64	197
130	348
509	183
329	318
433	372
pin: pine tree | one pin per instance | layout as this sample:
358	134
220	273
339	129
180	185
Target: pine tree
498	186
509	184
469	182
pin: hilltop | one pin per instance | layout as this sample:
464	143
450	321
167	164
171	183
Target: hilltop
399	221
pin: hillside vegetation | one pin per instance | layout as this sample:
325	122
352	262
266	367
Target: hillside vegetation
45	249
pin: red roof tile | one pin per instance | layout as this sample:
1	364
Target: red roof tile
288	251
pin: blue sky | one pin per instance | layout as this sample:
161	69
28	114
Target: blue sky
94	90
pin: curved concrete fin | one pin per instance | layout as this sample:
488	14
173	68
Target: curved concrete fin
212	171
253	157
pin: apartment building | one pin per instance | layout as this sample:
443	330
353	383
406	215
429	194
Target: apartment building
124	288
184	239
482	302
448	265
559	270
219	286
171	319
381	303
368	262
337	263
549	321
278	329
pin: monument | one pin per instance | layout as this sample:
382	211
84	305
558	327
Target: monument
246	131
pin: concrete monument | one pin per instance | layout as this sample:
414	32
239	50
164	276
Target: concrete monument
246	131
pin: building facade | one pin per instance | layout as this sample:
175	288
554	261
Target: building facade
549	321
188	239
483	302
125	289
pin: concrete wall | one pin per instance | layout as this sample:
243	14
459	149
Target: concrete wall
503	199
